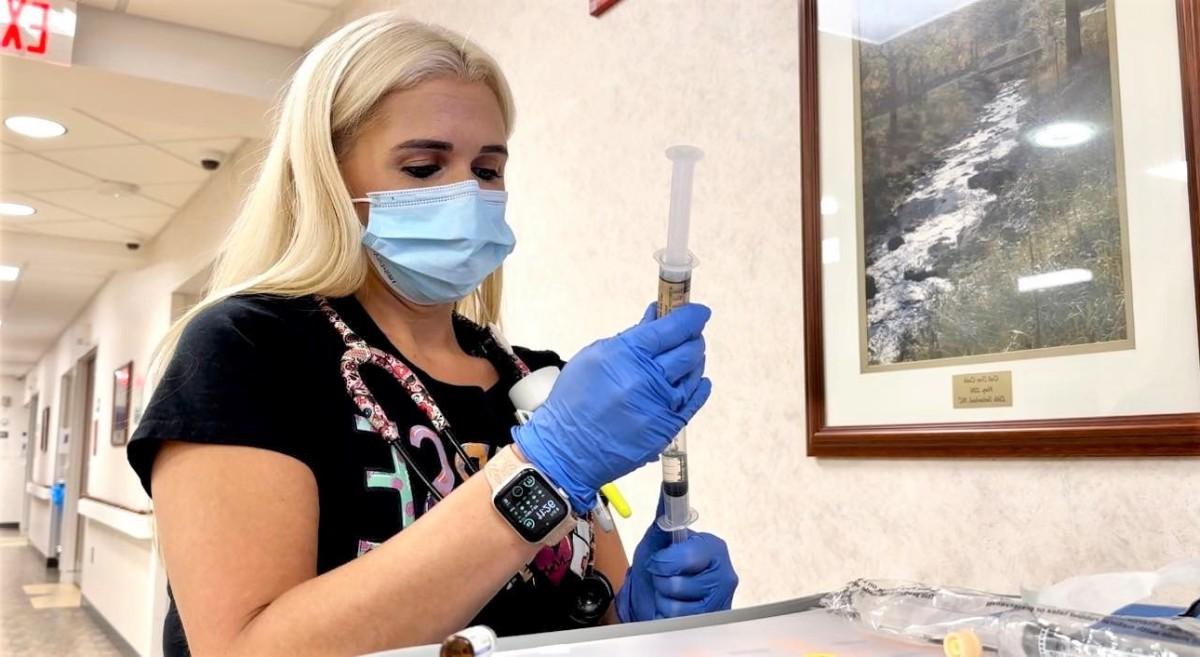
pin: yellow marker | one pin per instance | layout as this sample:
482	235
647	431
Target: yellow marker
616	499
963	643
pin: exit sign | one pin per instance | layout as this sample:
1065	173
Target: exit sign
43	30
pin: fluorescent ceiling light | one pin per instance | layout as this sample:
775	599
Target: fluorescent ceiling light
1053	279
9	273
35	127
1173	171
1062	135
16	210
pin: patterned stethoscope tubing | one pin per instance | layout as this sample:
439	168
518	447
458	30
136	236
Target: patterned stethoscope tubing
359	353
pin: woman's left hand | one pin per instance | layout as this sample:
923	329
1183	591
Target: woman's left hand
670	580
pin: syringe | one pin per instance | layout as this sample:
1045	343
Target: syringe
675	265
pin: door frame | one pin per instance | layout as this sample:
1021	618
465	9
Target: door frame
31	448
79	421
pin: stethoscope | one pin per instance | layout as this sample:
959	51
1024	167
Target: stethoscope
593	595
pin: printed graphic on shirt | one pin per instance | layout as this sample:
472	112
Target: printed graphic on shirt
396	479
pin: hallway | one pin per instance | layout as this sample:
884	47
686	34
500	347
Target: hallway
38	616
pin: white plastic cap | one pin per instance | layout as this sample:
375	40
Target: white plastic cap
533	390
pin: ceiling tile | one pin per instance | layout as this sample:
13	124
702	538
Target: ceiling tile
45	211
25	172
147	227
173	194
7	148
271	21
82	131
94	204
192	149
328	4
152	128
136	164
88	230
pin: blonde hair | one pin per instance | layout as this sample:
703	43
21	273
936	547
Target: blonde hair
297	232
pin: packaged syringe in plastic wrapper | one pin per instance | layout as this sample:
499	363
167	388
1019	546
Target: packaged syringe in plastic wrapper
970	623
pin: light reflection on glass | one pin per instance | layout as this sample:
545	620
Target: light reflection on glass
1053	279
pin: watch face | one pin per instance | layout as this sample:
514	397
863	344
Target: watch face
531	505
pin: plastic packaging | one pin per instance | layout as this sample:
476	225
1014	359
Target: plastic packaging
1107	593
968	623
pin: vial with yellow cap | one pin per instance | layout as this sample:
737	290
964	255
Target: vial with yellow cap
477	641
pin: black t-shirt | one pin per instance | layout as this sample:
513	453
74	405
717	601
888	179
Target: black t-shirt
263	371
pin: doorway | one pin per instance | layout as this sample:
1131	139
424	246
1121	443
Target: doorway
81	422
29	444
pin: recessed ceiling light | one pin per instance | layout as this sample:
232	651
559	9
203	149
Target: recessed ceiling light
1063	135
1053	279
9	273
35	127
16	210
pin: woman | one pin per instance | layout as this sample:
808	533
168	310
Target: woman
310	445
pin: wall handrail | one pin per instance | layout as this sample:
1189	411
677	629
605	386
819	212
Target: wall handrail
135	523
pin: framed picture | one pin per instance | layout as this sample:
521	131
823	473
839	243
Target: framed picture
122	402
597	7
1000	227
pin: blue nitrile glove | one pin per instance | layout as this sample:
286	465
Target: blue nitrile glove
618	403
671	580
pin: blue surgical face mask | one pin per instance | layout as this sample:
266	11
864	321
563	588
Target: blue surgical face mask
435	245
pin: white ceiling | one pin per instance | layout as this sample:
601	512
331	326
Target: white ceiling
121	127
291	23
59	177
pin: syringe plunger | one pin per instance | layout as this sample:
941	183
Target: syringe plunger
676	256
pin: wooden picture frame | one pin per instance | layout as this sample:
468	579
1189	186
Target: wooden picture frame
598	7
122	404
1174	434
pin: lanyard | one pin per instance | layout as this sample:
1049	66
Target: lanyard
358	353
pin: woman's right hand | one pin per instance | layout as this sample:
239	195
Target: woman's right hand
618	403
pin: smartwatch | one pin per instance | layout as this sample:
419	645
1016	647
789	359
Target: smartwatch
525	498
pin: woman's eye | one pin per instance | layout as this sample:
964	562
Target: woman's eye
422	171
486	175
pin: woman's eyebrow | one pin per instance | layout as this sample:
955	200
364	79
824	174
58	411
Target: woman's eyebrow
424	144
494	148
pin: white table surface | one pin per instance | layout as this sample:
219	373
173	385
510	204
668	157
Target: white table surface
788	629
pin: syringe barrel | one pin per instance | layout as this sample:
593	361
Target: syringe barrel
684	159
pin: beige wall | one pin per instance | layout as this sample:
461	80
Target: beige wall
598	100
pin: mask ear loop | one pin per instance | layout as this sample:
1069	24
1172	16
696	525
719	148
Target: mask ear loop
360	200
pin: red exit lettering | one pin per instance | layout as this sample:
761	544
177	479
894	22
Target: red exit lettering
41	20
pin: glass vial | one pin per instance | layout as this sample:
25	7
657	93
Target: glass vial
477	641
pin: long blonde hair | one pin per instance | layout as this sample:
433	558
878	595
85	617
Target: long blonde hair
297	232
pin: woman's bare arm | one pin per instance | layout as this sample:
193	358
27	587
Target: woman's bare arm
238	529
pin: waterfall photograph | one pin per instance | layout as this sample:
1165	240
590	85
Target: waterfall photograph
992	220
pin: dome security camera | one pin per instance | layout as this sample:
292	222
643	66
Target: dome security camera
211	160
